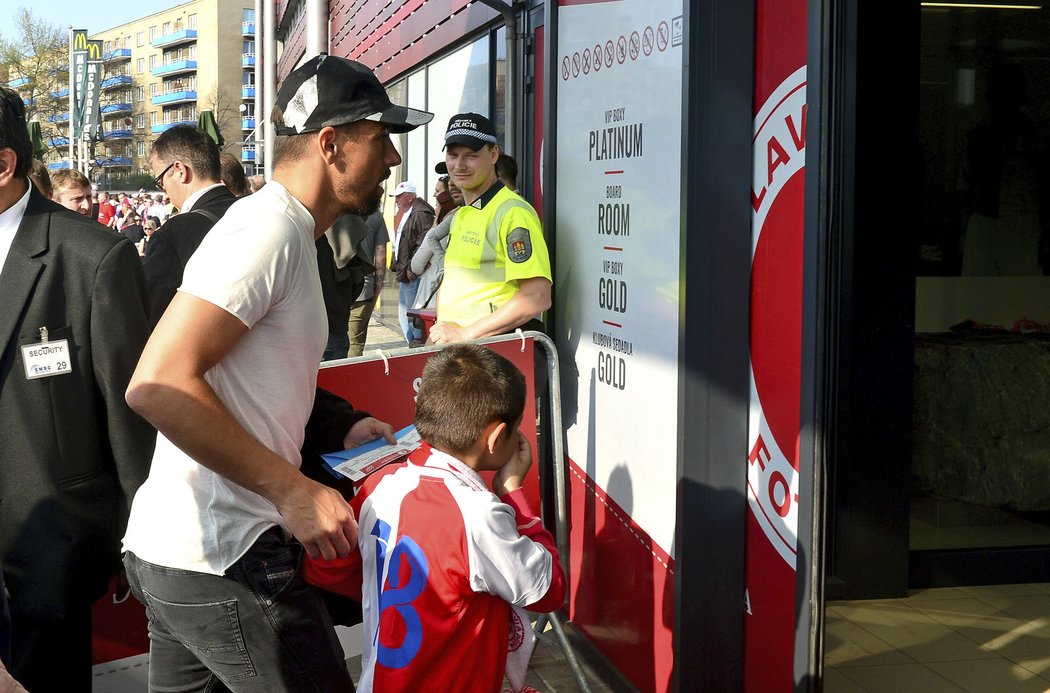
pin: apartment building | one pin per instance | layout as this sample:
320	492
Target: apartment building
162	70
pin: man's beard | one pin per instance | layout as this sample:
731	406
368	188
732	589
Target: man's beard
371	206
370	200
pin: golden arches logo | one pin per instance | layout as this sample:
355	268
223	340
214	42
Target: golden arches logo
80	42
94	49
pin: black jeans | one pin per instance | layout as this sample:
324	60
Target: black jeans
259	628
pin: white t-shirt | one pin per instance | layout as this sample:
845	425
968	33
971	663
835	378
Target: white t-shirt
258	263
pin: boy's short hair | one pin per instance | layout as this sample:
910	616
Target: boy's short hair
466	387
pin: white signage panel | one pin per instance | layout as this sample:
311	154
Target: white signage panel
617	227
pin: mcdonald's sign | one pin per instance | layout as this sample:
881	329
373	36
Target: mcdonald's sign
86	79
78	43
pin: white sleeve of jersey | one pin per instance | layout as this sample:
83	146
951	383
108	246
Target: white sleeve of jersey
502	562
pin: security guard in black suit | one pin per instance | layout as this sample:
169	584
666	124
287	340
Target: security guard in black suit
73	321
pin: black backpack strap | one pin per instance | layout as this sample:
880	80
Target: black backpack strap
205	213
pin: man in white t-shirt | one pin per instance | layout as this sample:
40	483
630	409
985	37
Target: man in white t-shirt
228	379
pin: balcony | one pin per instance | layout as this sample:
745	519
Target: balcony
117	54
60	93
58	118
116	81
175	38
175	67
117	134
248	123
248	92
58	165
113	161
248	60
173	97
18	82
248	154
113	109
247	28
58	142
162	127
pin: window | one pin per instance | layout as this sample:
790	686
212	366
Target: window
165	29
152	33
140	93
152	62
193	51
249	110
127	41
248	48
140	39
153	90
248	14
140	148
248	79
140	65
140	120
191	21
153	116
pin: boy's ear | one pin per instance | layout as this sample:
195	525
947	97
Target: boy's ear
492	434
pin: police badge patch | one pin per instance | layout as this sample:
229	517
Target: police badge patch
519	245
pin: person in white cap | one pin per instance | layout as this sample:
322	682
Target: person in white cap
414	218
228	379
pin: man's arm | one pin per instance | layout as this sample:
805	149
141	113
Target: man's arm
119	329
380	265
163	272
533	297
169	389
421	221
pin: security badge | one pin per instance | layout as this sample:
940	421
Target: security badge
519	245
47	358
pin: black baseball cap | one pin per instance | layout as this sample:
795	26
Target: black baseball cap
470	129
329	91
441	168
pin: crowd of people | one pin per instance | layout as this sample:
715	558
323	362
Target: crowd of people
158	399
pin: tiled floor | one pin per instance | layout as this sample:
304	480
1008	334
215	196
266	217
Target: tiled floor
977	639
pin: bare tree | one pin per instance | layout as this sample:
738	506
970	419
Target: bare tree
35	53
226	110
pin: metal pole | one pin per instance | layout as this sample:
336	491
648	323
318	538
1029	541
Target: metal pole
316	27
511	84
262	53
269	86
69	126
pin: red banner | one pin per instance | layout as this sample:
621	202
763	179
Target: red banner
776	344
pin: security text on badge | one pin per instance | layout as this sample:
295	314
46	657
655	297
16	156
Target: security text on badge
46	359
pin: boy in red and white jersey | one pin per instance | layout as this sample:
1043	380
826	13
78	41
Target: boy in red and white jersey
440	559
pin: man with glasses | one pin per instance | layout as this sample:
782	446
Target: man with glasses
228	378
186	160
73	320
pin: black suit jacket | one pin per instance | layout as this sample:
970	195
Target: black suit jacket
72	453
170	247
